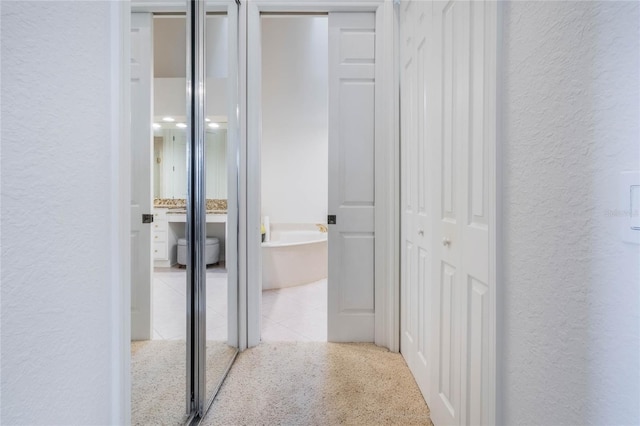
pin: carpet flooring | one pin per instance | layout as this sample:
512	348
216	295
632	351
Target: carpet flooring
158	370
315	383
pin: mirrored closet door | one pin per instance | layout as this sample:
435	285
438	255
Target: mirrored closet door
184	173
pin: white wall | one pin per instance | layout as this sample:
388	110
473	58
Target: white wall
170	94
571	286
295	119
169	83
56	217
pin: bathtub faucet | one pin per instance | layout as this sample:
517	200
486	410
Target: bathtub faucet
321	227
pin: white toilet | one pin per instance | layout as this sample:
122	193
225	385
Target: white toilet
211	251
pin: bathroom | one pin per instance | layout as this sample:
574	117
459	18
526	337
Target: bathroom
294	177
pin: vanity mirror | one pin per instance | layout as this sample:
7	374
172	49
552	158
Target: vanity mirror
170	162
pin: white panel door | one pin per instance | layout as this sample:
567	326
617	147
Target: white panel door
351	177
478	171
141	179
461	81
216	152
450	32
179	181
416	232
448	205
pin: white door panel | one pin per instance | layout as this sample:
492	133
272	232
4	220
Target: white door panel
351	176
448	145
141	180
450	133
477	153
416	230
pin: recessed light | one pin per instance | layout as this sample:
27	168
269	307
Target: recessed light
168	119
207	120
214	125
156	125
181	125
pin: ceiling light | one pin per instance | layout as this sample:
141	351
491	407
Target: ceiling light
156	125
214	125
207	120
168	119
181	125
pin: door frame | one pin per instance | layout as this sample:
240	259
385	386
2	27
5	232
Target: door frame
387	163
120	121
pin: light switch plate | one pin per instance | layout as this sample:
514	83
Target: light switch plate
635	207
629	207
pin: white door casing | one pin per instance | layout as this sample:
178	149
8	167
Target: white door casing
456	114
351	177
141	173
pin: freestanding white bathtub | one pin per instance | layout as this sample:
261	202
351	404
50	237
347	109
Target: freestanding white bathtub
295	255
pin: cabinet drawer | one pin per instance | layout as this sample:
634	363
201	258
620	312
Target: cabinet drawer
159	215
160	251
159	236
159	226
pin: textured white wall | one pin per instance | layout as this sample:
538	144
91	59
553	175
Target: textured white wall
56	186
295	119
571	299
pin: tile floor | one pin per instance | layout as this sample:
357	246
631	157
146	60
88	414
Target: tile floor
295	314
289	314
170	298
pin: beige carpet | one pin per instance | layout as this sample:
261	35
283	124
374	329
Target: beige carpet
302	383
158	369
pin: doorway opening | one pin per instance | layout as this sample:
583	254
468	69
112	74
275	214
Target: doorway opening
294	176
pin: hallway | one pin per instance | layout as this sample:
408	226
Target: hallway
313	383
567	284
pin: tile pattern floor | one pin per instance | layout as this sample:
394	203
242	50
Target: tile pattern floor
170	298
295	314
289	314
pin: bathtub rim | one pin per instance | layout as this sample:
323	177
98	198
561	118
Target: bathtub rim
276	244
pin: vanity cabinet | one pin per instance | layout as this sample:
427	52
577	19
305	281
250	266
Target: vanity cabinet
160	237
169	225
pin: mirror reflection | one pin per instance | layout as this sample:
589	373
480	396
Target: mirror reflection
170	161
159	298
